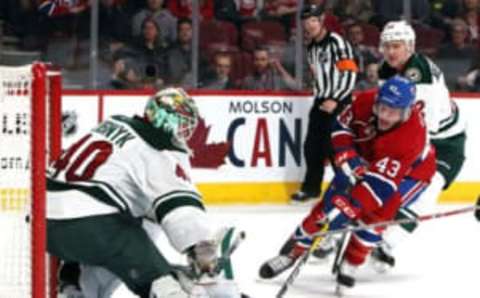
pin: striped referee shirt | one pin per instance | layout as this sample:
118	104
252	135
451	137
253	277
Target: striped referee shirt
333	65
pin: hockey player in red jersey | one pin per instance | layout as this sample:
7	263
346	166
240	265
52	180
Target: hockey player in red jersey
382	154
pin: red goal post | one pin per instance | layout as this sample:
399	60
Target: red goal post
30	136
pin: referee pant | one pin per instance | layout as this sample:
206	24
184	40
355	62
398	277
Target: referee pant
318	147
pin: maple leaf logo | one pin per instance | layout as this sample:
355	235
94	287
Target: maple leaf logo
206	155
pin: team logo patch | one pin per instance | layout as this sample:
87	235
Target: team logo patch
324	57
413	74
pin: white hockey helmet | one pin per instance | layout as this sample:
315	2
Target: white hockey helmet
173	111
398	31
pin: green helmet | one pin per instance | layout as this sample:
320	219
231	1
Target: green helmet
173	111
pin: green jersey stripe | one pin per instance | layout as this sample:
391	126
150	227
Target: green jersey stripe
95	192
111	189
448	124
404	213
176	193
165	207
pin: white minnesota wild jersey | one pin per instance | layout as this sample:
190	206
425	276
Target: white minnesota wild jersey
123	165
442	116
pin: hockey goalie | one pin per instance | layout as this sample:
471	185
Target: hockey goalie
125	170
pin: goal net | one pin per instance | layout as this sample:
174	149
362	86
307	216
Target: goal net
30	132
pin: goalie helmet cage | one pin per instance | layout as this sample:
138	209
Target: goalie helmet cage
30	136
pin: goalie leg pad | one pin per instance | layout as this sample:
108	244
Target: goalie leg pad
97	282
167	287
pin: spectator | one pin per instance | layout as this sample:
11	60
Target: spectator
370	81
471	5
226	10
163	17
393	10
125	75
179	57
150	49
289	57
67	24
472	19
364	55
471	81
115	24
22	18
146	60
361	10
247	8
280	10
55	8
221	79
268	74
459	46
183	8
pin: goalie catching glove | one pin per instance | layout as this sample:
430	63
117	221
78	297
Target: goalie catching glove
210	274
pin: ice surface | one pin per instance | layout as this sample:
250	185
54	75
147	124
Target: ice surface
439	260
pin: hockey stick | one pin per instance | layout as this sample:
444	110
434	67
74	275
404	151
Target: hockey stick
303	260
236	242
340	251
388	223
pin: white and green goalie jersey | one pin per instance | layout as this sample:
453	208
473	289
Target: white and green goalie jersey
441	113
124	165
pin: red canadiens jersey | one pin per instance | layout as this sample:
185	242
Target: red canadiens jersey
403	151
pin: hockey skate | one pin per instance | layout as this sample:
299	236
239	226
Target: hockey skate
286	259
326	248
382	259
301	197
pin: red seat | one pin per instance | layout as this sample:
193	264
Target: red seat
371	35
428	39
256	33
217	32
212	48
242	65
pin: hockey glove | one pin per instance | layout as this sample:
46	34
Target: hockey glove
352	165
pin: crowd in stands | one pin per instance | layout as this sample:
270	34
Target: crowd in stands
244	44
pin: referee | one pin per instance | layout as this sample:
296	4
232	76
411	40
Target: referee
334	70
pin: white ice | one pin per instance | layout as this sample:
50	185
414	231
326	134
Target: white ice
440	260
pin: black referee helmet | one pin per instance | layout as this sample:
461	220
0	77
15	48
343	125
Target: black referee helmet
312	10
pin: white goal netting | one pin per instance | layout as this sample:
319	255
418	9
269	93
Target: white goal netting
21	236
15	181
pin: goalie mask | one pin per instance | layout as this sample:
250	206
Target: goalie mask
173	111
